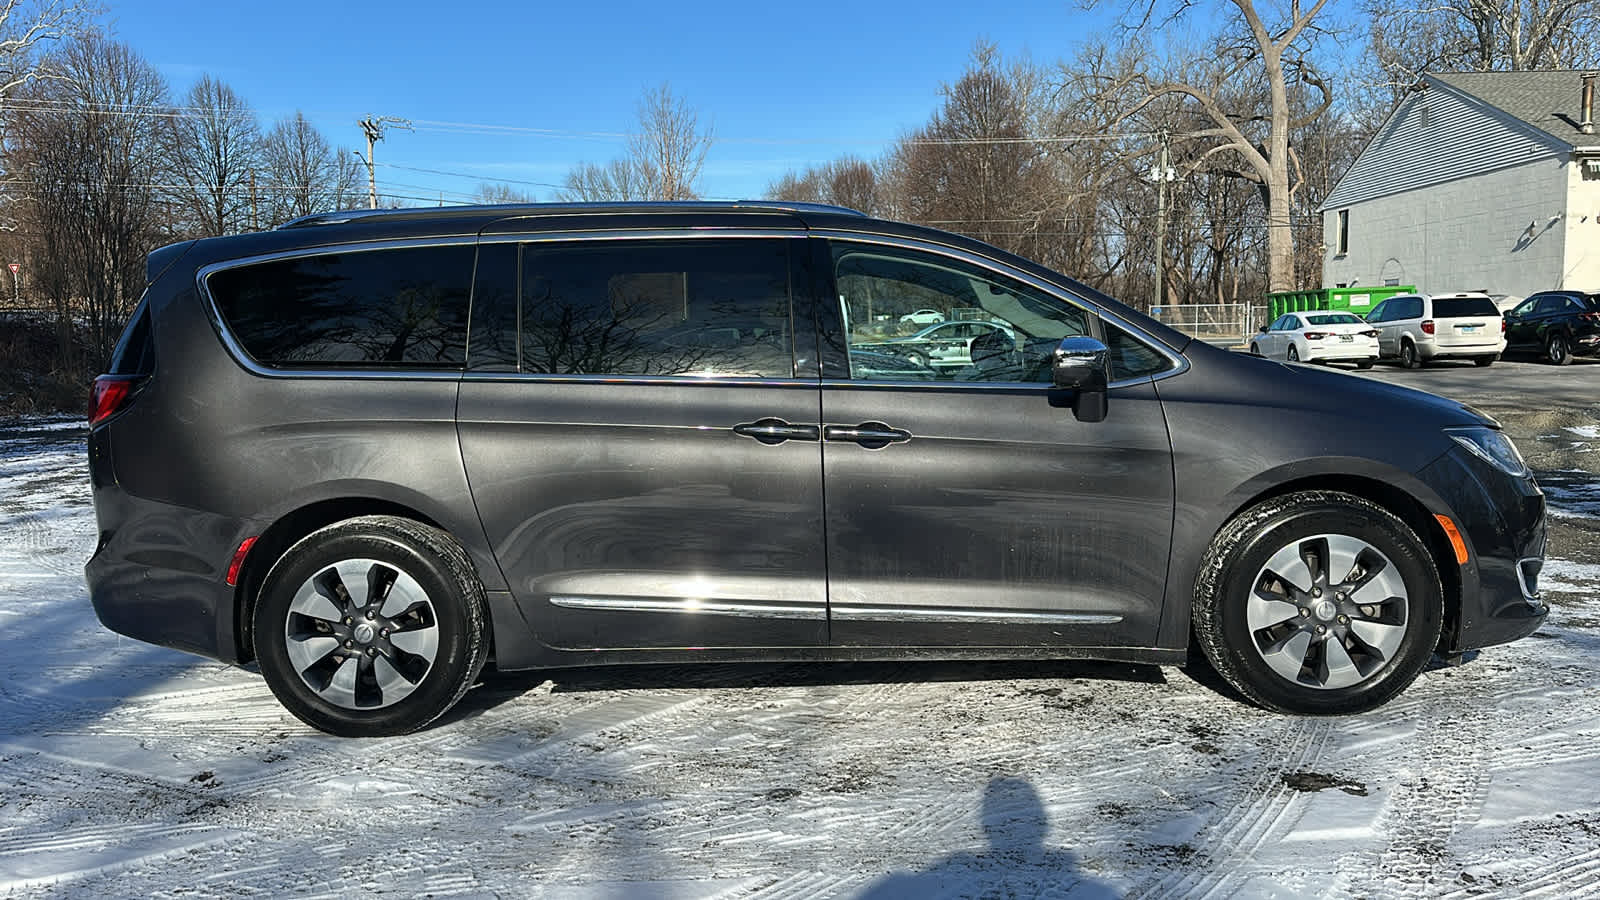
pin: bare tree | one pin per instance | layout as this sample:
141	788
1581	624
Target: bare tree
501	193
1409	38
26	28
1242	85
304	175
88	148
664	158
216	149
848	181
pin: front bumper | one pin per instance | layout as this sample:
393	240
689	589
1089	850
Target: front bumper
1503	521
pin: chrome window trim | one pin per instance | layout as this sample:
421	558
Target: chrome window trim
678	380
1179	362
694	606
641	234
249	363
845	612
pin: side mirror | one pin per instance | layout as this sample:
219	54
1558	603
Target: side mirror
1082	364
1262	329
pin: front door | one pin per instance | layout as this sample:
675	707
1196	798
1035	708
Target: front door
646	465
969	506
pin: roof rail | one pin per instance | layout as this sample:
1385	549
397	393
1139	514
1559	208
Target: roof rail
536	209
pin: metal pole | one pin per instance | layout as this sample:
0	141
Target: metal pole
1161	223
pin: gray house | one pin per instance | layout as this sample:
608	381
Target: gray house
1478	181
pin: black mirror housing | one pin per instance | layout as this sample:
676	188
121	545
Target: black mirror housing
1082	364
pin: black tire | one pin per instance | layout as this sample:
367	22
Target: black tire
447	622
1239	555
1483	362
1255	349
1292	355
917	358
1408	356
1367	363
1557	350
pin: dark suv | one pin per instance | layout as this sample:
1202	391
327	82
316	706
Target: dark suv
372	451
1557	325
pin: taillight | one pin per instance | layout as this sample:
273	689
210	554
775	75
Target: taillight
1427	326
111	394
1502	326
1370	332
1315	335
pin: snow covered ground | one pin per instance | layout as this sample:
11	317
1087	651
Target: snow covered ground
128	770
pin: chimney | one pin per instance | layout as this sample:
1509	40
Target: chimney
1586	123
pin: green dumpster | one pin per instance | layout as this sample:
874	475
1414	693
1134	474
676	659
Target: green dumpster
1358	300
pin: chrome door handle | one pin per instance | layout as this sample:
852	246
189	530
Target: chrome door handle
868	434
775	431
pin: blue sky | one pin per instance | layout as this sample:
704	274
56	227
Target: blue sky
783	85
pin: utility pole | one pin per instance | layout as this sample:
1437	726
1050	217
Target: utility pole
374	126
1161	174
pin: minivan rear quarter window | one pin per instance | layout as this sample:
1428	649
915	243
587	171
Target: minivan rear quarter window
401	307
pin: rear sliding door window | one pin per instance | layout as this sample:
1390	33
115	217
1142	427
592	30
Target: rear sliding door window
663	308
403	307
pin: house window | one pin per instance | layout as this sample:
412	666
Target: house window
1344	232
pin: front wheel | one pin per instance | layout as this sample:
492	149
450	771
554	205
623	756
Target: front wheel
1556	349
1318	602
1255	349
372	626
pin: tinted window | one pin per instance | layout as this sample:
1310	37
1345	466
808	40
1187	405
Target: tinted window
1378	312
1131	357
1334	319
375	308
1409	308
688	307
1006	330
1458	307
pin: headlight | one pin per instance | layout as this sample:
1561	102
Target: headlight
1491	446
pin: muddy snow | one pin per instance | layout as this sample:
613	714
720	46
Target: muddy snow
129	770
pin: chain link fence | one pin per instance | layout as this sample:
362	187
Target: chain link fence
1213	321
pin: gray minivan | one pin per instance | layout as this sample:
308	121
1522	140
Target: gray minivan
373	450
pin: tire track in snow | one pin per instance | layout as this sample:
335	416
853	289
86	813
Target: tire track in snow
1251	819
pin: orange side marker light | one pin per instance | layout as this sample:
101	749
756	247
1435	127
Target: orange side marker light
1454	535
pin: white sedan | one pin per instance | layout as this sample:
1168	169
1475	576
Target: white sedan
922	317
1318	336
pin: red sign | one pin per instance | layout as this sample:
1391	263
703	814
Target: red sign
15	268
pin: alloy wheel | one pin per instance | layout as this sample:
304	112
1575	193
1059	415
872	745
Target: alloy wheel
1327	611
362	634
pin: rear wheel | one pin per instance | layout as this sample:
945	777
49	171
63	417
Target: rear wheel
1408	356
1318	602
1483	361
1292	355
1366	363
1556	349
372	626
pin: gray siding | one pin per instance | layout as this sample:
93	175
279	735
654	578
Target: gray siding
1463	137
1504	232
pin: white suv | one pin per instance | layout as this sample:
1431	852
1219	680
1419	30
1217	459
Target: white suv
1419	328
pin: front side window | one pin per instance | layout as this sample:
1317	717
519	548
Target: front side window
994	329
664	308
403	307
1378	312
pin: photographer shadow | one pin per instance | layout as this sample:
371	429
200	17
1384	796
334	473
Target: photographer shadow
1017	863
